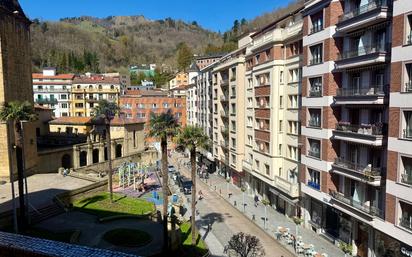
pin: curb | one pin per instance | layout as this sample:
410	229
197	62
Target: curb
254	223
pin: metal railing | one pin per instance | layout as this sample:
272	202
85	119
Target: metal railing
364	50
408	86
316	28
372	210
367	129
371	5
371	91
315	61
366	170
315	91
314	185
406	178
224	98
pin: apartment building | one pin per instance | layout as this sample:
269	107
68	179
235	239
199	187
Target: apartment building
207	60
88	90
273	81
53	90
180	79
228	120
345	170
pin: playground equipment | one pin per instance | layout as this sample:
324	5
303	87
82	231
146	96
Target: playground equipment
131	173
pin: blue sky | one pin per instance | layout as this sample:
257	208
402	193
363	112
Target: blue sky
211	14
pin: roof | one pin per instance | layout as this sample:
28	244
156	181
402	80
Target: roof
13	7
59	76
193	67
117	121
181	87
72	121
212	56
96	79
145	93
42	108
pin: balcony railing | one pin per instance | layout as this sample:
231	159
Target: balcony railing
371	5
313	185
224	82
224	143
292	189
224	98
409	39
406	222
366	170
364	50
406	178
407	133
372	210
315	61
365	129
314	153
408	87
316	28
371	91
223	114
46	101
315	91
315	123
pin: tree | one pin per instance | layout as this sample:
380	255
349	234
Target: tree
164	126
192	138
246	245
184	56
105	111
17	112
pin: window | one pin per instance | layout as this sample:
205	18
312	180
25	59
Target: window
408	35
257	57
234	159
250	102
250	158
408	77
263	79
315	87
281	102
316	54
314	179
250	83
281	77
165	105
233	94
293	152
141	115
280	149
233	142
293	127
233	109
63	97
294	75
314	148
79	105
250	140
267	170
315	118
140	106
154	106
407	128
405	220
317	22
280	171
249	121
406	170
280	125
64	106
257	164
293	102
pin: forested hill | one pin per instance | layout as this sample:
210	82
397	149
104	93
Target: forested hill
93	44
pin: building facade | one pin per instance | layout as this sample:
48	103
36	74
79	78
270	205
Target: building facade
53	91
348	163
181	79
204	61
88	90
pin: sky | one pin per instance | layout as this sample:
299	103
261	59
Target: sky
216	15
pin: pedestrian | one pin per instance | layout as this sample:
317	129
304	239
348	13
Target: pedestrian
225	249
200	195
294	242
256	200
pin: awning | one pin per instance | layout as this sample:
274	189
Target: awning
283	197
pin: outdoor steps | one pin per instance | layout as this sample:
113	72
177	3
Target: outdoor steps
45	213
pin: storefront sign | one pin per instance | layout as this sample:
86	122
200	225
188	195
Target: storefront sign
406	250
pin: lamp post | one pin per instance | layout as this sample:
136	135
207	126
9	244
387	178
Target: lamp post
243	198
265	203
227	185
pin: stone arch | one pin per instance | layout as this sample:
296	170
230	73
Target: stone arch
83	158
119	150
67	161
95	155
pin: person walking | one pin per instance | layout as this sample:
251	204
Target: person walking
256	200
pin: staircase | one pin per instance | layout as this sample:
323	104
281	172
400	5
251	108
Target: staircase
45	213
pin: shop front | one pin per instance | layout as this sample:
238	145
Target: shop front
283	203
386	246
203	160
237	177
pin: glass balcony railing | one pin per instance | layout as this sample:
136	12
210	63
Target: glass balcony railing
407	133
314	153
314	123
314	185
408	87
364	207
365	170
316	28
370	6
364	50
315	91
406	222
365	129
358	91
406	178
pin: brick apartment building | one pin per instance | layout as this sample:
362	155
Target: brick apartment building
355	172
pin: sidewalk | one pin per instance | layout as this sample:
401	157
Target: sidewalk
275	219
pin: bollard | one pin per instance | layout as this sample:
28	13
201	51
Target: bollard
235	203
215	188
230	194
220	191
253	217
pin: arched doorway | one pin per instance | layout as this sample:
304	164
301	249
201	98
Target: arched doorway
118	151
95	155
83	158
67	161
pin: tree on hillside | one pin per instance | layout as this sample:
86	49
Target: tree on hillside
184	56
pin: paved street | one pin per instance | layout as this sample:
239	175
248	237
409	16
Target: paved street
223	207
227	221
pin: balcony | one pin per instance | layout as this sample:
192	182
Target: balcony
293	30
355	206
361	56
291	189
354	96
315	91
224	159
224	82
314	123
314	153
225	131
408	87
267	38
247	166
224	144
316	28
375	11
364	173
363	134
224	114
46	101
406	178
406	222
92	100
409	39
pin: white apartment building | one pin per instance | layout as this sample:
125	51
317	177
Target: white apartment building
52	90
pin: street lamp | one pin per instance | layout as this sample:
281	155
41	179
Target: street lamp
227	185
265	203
243	197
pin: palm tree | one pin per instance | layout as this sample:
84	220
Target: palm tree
106	111
17	112
192	138
164	126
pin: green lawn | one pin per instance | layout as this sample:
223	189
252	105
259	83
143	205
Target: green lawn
192	251
127	237
99	204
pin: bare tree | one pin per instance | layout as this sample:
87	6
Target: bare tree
246	245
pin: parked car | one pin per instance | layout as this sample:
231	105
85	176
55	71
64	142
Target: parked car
185	185
171	168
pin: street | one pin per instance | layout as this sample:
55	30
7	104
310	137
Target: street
227	220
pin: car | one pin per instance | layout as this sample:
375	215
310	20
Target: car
171	168
176	175
185	184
